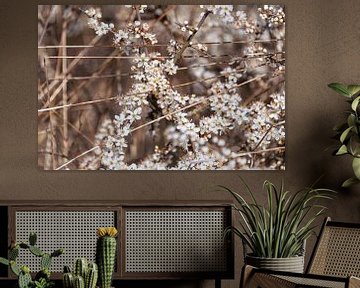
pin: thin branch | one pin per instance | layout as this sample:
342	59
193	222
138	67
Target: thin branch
113	75
75	90
50	153
77	104
46	25
164	45
65	94
249	81
251	98
267	132
133	94
72	126
280	148
168	114
188	41
77	157
90	57
71	66
52	136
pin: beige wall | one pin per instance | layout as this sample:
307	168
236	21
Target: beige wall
323	46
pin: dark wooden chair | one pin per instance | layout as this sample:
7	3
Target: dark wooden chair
335	262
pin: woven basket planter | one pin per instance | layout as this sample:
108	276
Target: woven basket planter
291	264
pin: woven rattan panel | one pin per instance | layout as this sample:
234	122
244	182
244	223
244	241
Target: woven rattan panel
75	231
175	241
311	282
338	253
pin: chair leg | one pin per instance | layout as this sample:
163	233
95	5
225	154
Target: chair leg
217	283
250	278
246	274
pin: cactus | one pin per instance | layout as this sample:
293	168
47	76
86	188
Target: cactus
88	273
67	269
24	278
106	254
57	253
43	274
79	282
24	246
80	268
36	251
13	253
91	276
45	261
32	239
68	280
14	268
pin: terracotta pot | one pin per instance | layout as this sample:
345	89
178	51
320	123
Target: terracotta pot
291	264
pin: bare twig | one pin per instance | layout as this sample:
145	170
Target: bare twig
165	44
77	157
71	66
134	94
77	104
77	88
267	132
113	75
46	25
280	148
91	57
188	41
65	94
52	136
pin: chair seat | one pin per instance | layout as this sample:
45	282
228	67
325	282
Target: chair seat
315	282
255	277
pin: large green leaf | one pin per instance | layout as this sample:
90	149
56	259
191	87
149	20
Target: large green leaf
354	145
349	182
356	167
351	120
353	89
342	150
355	103
345	134
340	88
4	261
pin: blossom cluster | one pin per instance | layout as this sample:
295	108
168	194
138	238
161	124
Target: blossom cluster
94	22
195	129
273	14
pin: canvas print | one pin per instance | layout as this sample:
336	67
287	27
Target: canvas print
161	87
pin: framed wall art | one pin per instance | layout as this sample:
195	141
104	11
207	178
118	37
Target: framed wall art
161	87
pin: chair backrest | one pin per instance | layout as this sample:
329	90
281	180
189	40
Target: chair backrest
337	251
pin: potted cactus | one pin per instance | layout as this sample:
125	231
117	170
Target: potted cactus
84	275
106	254
42	278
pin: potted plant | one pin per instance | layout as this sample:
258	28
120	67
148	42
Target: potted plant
348	133
42	278
276	233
